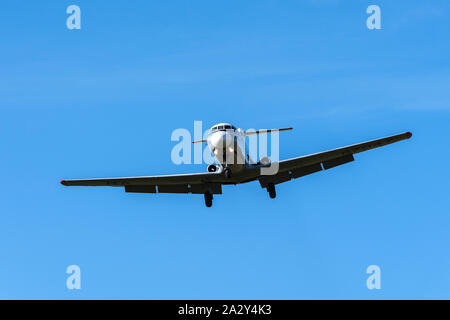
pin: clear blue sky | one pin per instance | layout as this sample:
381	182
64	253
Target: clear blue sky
102	101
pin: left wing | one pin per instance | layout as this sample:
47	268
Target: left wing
178	183
301	166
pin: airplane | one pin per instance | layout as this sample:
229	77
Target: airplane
233	166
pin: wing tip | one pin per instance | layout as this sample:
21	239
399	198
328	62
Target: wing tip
63	182
408	134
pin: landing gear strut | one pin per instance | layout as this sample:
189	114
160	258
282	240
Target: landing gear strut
271	190
227	173
208	199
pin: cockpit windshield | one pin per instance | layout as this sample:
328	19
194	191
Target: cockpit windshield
222	128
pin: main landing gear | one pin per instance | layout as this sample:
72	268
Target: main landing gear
208	199
271	190
227	173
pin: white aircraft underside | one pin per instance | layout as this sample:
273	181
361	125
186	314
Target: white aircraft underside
234	166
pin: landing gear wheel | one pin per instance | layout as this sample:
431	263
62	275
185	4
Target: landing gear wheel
227	173
271	190
208	199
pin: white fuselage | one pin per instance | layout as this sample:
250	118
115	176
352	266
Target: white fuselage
227	144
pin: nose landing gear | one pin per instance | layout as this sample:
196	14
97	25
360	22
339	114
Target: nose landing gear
208	199
271	190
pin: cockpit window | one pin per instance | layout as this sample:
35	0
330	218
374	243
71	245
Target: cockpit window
222	128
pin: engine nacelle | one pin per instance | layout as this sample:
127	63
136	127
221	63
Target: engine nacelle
264	161
213	168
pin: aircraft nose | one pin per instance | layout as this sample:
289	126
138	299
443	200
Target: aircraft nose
221	139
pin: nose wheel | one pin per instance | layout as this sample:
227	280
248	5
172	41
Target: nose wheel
271	190
208	199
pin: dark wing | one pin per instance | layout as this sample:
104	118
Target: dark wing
178	183
301	166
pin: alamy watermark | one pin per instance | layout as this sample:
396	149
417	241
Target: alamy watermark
374	280
73	282
374	20
74	20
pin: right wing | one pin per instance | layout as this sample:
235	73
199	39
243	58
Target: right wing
301	166
177	183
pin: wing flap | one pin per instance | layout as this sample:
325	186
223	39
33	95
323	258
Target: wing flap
328	164
297	173
141	189
177	188
214	188
289	175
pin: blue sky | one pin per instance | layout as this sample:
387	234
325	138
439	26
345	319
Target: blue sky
103	101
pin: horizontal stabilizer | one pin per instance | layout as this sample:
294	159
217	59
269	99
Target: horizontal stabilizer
199	141
262	131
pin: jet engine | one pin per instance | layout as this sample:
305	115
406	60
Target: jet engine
212	168
264	161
